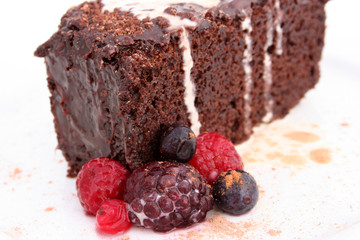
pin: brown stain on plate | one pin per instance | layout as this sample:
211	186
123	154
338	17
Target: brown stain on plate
223	229
303	137
49	209
16	173
293	160
274	155
321	155
271	143
14	233
218	227
247	157
273	232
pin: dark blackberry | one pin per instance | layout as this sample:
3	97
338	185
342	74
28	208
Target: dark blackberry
167	195
235	192
178	143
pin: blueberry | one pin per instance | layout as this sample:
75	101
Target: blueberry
235	192
178	143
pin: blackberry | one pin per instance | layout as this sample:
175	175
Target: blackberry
235	192
167	195
178	143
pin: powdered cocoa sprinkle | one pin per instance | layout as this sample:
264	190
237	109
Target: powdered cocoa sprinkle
321	155
221	228
218	227
273	232
49	209
15	232
16	173
233	177
303	137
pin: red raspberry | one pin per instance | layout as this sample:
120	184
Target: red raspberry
215	154
112	217
98	180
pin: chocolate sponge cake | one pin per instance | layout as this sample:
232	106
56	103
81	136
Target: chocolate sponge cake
121	72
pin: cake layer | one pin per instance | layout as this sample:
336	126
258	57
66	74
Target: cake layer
120	72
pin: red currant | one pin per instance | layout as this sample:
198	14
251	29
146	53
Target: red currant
112	217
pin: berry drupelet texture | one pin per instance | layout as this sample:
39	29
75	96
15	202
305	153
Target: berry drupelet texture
235	192
167	195
98	180
214	155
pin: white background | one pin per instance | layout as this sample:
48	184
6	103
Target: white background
27	138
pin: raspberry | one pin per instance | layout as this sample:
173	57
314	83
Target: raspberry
112	217
214	155
167	195
178	143
98	180
235	192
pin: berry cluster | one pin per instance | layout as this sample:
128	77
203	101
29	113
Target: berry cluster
175	192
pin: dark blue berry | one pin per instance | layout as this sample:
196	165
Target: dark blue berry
178	143
235	192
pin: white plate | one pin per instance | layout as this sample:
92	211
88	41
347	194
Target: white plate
299	198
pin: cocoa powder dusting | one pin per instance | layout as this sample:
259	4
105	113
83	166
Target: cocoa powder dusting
303	137
274	155
274	233
233	177
321	155
15	174
49	209
14	233
218	227
293	160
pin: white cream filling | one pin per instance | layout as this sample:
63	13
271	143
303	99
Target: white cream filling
272	25
143	9
190	88
246	26
279	30
158	6
269	102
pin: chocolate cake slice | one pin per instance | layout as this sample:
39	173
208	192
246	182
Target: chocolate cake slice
120	72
